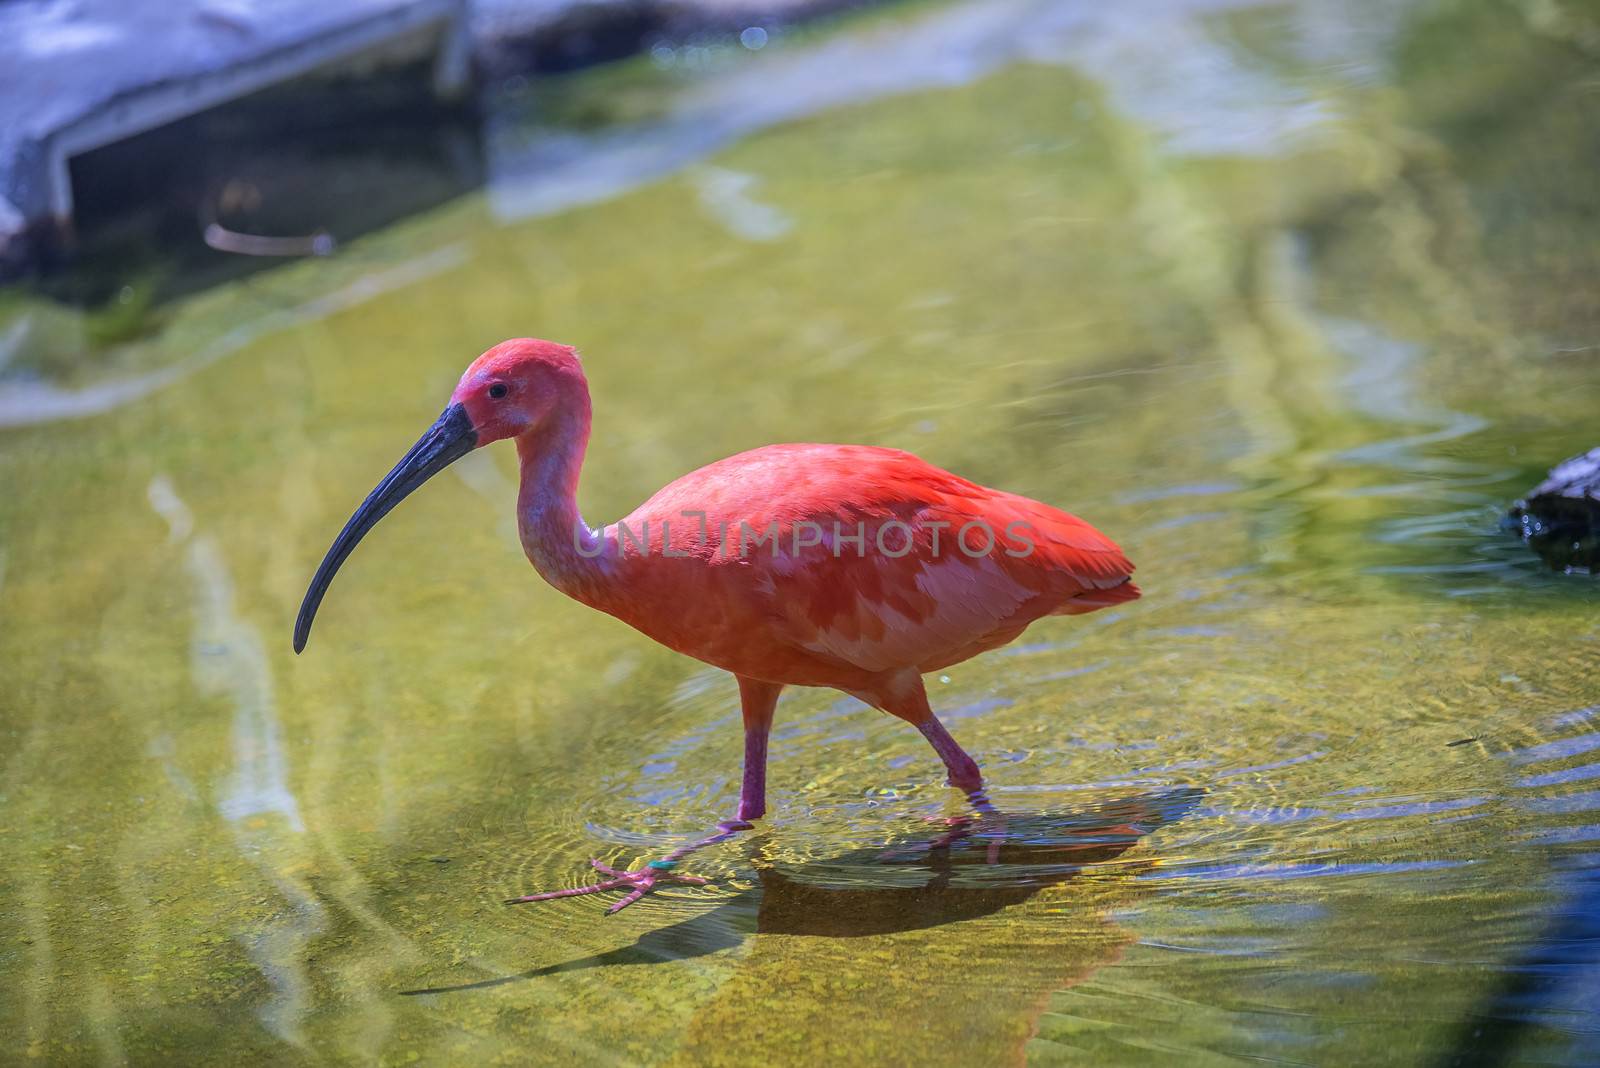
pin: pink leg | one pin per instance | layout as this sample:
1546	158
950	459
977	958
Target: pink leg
964	773
963	770
758	700
906	698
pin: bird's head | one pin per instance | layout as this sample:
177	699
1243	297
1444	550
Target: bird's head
511	390
517	386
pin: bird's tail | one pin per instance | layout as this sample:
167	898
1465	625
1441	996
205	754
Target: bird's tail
1094	600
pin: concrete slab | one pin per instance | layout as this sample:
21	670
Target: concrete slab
79	74
76	75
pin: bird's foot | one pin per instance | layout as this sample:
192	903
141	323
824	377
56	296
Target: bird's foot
989	823
652	876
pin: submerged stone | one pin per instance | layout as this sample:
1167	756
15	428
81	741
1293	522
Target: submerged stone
1560	518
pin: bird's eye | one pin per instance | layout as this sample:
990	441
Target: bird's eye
497	390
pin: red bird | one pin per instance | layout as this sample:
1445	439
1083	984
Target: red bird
847	566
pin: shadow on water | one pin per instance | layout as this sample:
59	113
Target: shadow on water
1540	991
1541	1008
978	867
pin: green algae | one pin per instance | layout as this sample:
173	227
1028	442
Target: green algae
1294	385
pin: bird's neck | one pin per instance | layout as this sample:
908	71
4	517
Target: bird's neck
553	532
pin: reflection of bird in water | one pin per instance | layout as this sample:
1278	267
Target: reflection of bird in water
844	566
979	866
879	918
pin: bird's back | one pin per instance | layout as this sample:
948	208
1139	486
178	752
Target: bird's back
841	561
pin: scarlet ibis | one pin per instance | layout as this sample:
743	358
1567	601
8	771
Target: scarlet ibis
845	566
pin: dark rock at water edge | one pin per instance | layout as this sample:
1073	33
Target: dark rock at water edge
1560	517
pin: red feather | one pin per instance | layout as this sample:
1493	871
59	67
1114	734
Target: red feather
912	593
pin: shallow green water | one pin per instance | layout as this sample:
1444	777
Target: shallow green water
1292	321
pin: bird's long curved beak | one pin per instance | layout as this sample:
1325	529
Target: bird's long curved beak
446	441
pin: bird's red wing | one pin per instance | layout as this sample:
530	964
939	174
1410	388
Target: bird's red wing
938	581
914	591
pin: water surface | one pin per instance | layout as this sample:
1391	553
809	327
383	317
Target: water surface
1290	302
